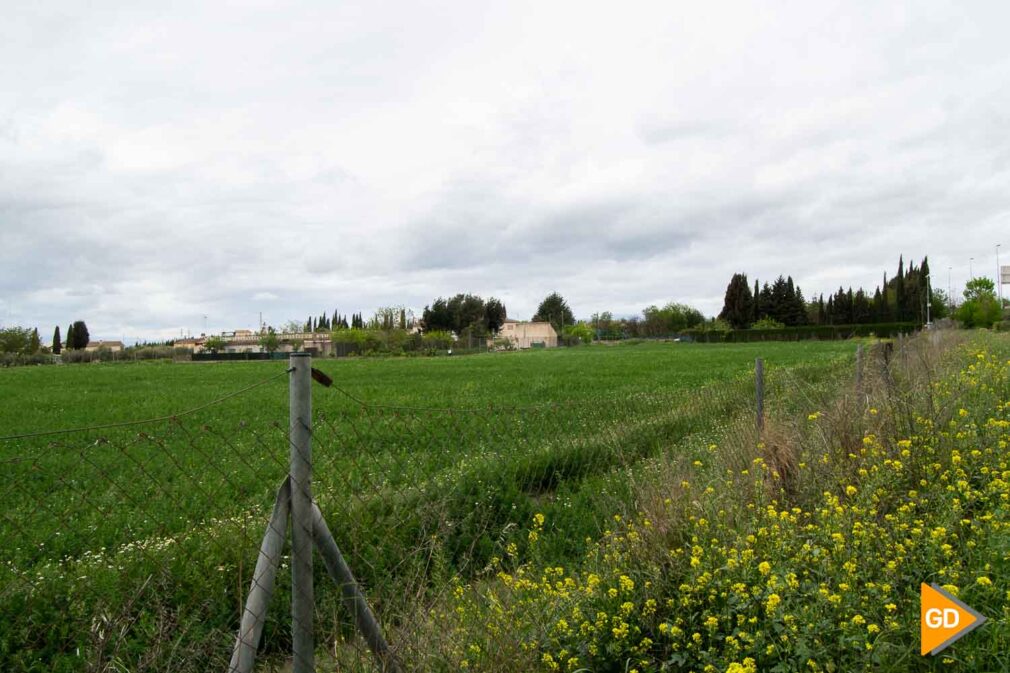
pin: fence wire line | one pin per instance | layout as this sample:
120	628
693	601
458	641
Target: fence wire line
145	421
420	495
471	409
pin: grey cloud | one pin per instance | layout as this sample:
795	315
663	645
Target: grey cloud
154	168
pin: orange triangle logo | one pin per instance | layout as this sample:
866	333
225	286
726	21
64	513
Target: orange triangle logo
943	619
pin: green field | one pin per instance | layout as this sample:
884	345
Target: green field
429	484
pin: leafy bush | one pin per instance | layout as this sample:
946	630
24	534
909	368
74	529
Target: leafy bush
20	360
20	340
437	340
578	333
767	323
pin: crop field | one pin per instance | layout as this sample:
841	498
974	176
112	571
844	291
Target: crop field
132	546
802	549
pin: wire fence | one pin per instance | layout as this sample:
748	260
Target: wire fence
135	546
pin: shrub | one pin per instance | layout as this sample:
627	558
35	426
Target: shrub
768	323
578	333
437	340
20	360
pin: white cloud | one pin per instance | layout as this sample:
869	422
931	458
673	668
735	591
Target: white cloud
158	165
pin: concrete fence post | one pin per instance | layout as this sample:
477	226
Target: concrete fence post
300	437
759	391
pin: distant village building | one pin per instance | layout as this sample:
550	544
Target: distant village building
521	335
114	346
193	343
524	334
247	341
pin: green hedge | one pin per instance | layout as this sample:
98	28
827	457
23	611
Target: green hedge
821	332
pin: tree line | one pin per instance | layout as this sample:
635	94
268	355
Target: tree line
26	341
902	298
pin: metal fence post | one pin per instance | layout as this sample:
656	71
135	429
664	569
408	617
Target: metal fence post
759	390
300	436
243	658
354	600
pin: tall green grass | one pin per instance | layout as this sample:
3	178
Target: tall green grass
136	545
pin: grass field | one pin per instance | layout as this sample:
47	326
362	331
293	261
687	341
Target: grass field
803	551
172	512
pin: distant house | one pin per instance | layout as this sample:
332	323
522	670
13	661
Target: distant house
114	346
247	341
524	334
193	343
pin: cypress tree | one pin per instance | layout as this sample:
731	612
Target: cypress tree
756	314
900	304
778	304
57	345
70	337
767	303
81	336
737	306
800	307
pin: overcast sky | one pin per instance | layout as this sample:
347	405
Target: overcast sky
160	162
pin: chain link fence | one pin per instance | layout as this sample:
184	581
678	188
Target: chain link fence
135	546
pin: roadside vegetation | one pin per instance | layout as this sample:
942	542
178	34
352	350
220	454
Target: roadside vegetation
800	549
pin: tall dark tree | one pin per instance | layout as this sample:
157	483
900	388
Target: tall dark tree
81	335
70	337
494	315
57	344
467	313
738	304
437	317
777	306
862	311
925	289
766	302
756	303
554	309
901	305
799	307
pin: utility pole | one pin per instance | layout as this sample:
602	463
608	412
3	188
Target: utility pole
971	274
929	301
950	290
